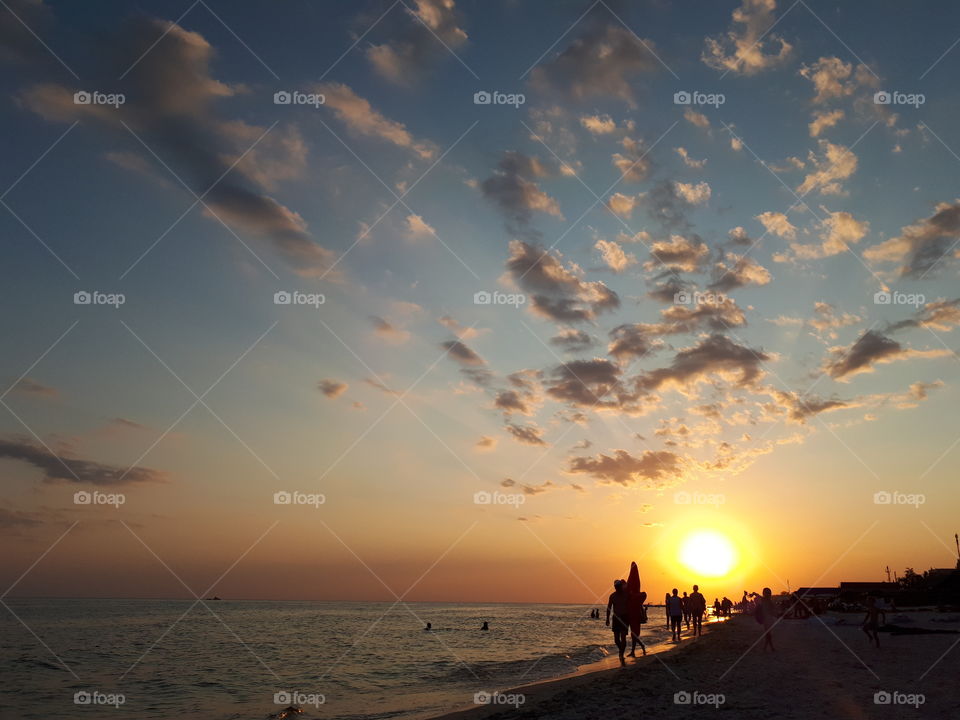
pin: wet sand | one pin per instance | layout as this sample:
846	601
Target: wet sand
822	668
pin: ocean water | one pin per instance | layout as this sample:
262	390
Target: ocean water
162	659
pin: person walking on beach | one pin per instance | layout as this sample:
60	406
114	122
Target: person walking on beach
698	606
716	607
675	613
766	614
619	602
685	601
666	608
871	623
636	612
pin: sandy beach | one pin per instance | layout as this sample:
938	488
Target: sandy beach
820	670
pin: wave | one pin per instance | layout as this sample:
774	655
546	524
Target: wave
515	671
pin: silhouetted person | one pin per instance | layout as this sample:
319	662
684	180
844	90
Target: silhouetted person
666	608
726	605
698	606
716	607
871	623
675	613
619	602
685	601
428	627
766	614
485	626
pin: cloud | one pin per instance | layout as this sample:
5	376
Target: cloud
921	246
28	386
572	340
361	119
388	331
800	408
637	340
689	161
832	79
416	228
595	383
838	230
614	256
870	349
462	354
433	24
602	62
486	443
748	47
777	224
697	119
714	357
461	331
513	189
837	163
621	204
679	253
558	292
692	194
634	163
654	469
598	124
744	270
332	388
75	470
823	120
526	434
170	98
942	315
668	202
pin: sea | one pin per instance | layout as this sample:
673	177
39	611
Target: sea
228	660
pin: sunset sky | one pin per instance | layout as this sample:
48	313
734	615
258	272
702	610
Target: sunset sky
699	284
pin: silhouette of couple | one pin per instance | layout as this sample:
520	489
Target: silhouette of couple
628	613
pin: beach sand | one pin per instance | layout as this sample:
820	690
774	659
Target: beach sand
820	670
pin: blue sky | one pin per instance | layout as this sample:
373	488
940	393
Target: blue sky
782	211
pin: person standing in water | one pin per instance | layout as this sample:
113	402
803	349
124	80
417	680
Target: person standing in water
666	608
619	603
698	606
485	626
675	613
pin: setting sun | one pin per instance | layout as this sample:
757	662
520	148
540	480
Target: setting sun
709	553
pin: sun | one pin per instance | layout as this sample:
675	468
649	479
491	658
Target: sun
708	553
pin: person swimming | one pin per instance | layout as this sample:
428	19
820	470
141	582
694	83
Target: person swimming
485	626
